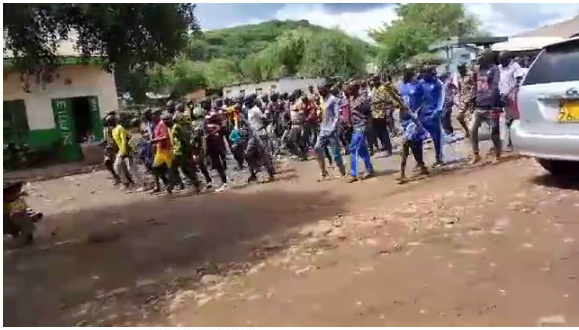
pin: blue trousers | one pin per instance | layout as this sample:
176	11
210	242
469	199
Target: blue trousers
359	148
434	129
324	141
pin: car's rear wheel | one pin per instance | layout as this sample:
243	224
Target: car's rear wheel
560	167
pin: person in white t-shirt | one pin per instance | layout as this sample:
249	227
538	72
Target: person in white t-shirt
508	69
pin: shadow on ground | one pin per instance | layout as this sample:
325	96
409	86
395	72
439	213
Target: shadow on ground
119	265
563	182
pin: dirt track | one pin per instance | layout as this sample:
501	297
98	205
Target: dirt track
496	245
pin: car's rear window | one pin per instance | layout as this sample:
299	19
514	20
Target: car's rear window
557	63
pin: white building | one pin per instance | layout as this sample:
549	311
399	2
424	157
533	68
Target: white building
283	85
61	114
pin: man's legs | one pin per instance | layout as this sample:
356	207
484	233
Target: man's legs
464	108
108	162
447	119
478	118
358	148
186	165
381	131
435	131
334	144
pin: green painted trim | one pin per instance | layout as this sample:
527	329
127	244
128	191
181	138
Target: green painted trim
43	138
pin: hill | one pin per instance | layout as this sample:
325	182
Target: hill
238	42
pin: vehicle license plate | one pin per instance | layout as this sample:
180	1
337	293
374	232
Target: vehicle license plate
569	112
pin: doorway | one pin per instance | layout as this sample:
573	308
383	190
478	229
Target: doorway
82	119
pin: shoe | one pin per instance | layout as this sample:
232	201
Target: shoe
140	189
437	164
368	175
224	187
251	179
352	179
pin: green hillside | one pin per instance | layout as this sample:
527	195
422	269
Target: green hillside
238	42
261	52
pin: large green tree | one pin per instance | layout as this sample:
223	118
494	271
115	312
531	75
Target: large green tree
419	25
178	78
332	53
126	36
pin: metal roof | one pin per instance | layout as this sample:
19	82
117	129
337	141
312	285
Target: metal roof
565	29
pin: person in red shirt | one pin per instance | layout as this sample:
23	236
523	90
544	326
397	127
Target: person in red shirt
163	160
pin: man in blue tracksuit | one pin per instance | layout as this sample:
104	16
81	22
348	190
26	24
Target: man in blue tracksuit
431	113
413	133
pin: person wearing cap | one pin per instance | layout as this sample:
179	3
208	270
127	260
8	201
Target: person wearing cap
198	143
361	109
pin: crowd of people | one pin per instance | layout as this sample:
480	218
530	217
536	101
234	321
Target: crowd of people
333	120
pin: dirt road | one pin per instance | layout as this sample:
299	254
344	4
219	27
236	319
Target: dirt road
496	245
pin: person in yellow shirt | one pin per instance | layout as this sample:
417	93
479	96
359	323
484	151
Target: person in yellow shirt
124	157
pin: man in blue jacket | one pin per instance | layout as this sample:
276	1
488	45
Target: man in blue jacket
431	113
413	133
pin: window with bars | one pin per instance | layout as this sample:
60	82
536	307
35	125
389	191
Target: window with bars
15	122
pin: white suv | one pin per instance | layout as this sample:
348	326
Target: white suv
548	105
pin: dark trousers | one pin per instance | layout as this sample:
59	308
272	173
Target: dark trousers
380	133
310	134
446	119
216	152
185	163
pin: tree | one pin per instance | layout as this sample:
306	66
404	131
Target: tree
178	78
419	25
332	53
220	72
124	35
290	48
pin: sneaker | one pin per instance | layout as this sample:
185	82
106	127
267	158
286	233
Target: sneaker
208	186
140	189
224	187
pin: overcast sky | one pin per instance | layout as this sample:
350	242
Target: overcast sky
356	18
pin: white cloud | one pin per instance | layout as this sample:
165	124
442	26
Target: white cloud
356	24
514	18
499	19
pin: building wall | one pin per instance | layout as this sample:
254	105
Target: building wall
284	85
68	81
457	56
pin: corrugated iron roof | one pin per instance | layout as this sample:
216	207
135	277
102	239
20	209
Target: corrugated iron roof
564	29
